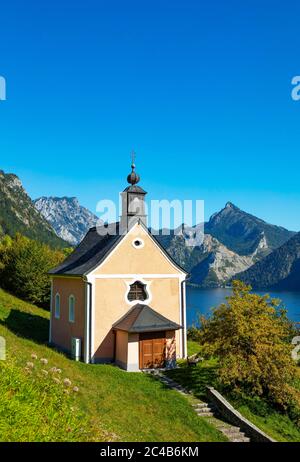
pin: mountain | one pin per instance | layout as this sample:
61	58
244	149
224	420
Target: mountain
210	264
233	241
218	265
244	233
280	270
18	213
70	220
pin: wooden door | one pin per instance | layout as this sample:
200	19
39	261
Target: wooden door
152	350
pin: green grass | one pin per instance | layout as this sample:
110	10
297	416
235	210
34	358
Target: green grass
35	405
278	426
111	404
192	347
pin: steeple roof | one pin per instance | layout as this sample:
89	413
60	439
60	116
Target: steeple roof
135	189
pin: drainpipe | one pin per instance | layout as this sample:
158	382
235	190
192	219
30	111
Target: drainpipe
51	313
88	321
183	315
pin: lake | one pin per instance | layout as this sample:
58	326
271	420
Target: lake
201	300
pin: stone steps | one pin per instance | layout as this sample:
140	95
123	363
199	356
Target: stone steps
228	429
244	439
203	406
206	410
233	432
203	410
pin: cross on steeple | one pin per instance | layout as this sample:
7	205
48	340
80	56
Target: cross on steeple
133	177
132	159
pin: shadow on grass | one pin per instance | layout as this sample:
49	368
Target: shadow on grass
27	325
195	378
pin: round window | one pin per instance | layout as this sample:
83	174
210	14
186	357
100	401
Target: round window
138	243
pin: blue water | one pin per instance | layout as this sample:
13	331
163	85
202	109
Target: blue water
200	301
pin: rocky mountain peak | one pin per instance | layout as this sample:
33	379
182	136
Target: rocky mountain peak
11	180
18	214
230	205
244	233
70	220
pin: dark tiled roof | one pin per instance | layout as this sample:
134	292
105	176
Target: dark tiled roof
142	318
94	248
90	253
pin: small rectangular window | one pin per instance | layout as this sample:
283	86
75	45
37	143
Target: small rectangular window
57	306
71	308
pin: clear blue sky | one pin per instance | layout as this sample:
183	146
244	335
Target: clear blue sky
200	89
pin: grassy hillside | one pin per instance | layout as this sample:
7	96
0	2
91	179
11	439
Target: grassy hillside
278	426
111	404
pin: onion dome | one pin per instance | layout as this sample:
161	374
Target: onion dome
133	177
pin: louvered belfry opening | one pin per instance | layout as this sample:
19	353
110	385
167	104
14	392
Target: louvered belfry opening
137	291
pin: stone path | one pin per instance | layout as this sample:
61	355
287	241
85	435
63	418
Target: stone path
205	410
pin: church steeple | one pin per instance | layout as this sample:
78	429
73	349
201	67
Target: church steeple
133	201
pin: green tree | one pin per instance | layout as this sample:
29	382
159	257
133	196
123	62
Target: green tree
5	248
250	335
25	264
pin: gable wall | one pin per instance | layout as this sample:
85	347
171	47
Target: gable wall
125	258
111	304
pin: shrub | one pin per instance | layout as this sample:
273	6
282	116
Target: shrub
24	267
250	335
193	333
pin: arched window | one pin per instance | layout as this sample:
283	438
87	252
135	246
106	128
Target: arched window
137	291
71	308
57	306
